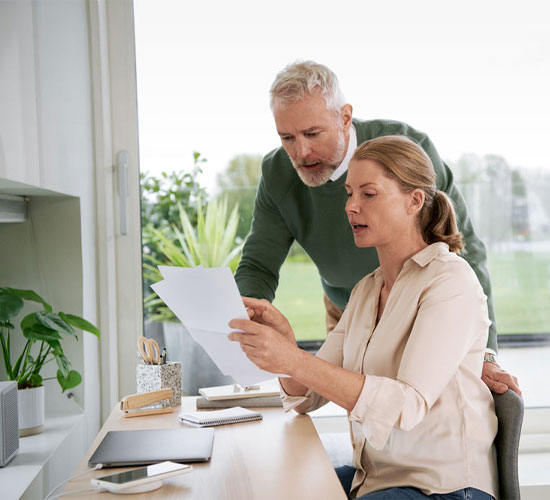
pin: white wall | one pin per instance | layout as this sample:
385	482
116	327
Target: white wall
46	144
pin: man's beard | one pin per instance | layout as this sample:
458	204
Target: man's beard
319	175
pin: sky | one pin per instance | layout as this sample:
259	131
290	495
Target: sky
474	76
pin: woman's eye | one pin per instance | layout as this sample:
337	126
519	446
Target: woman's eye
368	195
348	195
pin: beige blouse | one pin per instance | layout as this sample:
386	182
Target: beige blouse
424	417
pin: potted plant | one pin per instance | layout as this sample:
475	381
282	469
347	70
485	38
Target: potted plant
43	331
212	243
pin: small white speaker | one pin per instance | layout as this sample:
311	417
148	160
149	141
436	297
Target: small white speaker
9	422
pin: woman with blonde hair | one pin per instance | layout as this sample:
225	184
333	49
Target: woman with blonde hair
405	359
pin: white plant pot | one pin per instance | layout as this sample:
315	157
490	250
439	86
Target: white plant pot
30	404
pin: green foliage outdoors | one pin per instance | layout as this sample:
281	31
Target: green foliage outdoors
521	292
238	183
43	329
211	242
160	197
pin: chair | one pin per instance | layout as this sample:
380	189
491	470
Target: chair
509	411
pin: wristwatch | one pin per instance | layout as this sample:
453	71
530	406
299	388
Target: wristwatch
490	358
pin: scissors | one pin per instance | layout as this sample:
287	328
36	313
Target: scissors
149	350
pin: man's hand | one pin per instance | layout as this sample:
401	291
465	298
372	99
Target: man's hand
499	380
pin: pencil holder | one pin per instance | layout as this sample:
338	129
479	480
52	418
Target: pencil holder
155	377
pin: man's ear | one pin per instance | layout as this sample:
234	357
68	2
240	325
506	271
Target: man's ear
416	201
347	112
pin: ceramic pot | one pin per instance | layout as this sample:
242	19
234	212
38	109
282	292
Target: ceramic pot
198	370
30	403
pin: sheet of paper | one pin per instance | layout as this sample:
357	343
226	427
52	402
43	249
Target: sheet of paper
205	300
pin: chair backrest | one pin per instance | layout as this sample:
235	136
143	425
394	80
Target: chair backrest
509	411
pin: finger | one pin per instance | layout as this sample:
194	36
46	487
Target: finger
261	304
243	338
495	386
246	325
509	380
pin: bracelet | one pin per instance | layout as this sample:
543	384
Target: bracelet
490	358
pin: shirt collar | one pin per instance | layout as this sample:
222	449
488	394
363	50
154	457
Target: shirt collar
352	146
426	255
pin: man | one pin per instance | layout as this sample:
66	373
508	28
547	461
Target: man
301	197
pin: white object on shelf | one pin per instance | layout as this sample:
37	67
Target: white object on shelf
30	403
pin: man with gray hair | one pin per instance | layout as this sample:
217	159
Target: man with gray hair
301	197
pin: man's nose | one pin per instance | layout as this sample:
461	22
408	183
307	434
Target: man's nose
302	148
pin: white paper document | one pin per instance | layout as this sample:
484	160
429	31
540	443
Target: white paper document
205	300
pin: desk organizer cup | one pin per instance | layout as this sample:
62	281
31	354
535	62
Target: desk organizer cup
155	377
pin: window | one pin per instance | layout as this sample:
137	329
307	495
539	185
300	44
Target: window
474	77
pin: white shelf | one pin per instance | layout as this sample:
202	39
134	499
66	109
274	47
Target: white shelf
45	459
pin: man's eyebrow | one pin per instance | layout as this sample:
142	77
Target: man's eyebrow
307	131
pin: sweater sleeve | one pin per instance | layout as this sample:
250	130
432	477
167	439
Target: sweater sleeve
265	249
475	252
451	317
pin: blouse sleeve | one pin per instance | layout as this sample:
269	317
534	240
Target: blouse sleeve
452	315
332	351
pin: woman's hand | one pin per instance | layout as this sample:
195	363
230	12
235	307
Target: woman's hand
268	340
263	312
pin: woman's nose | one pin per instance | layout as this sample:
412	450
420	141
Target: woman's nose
351	205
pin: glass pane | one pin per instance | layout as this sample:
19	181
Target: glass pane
300	296
203	80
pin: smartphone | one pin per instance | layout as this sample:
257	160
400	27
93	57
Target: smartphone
142	479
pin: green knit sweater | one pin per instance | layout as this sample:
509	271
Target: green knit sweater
286	210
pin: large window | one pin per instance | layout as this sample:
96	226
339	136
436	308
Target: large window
473	76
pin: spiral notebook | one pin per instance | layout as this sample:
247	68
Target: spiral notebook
220	417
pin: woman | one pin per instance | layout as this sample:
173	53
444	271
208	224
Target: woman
405	359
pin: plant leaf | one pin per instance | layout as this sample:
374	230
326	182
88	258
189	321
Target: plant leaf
28	321
54	321
10	304
80	323
40	332
36	380
72	379
63	364
15	371
32	296
56	346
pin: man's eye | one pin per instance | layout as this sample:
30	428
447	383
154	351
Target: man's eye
286	138
348	195
312	134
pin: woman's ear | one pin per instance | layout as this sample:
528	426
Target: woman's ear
416	201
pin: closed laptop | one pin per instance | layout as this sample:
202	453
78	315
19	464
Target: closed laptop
141	447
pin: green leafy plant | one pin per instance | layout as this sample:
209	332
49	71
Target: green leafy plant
212	243
161	194
43	330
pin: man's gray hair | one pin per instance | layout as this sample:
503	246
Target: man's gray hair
303	78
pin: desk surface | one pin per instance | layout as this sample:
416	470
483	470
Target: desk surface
280	457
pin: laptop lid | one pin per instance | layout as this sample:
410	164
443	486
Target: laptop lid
142	447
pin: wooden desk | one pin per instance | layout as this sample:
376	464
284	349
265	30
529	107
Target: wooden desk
280	457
